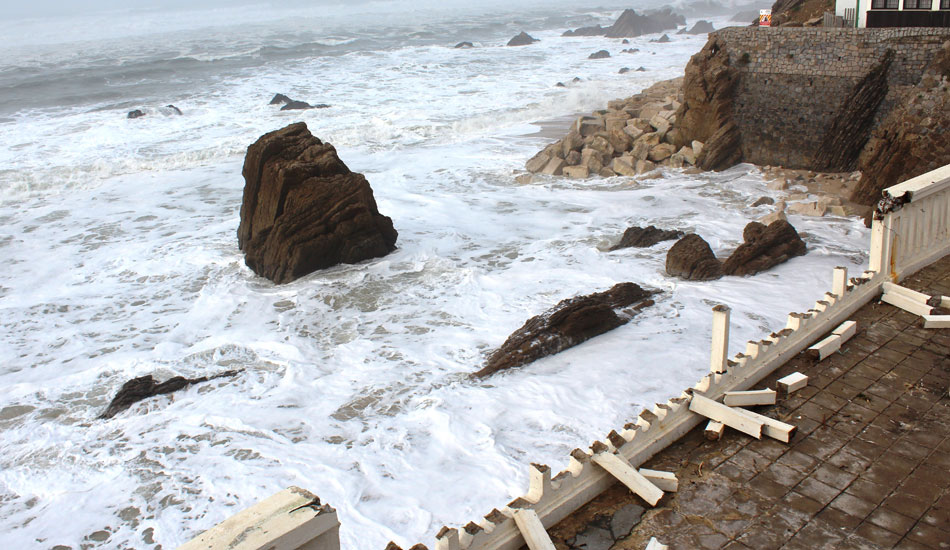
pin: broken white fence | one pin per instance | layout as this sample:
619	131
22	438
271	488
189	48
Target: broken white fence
911	229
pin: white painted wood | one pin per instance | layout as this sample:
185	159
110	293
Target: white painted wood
773	428
720	339
907	304
891	288
846	330
792	383
944	301
714	430
839	284
923	185
826	347
629	476
936	321
532	530
665	481
727	415
288	520
655	545
749	397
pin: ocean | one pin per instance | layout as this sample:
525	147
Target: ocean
119	259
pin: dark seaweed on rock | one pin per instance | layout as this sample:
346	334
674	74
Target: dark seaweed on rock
143	387
569	323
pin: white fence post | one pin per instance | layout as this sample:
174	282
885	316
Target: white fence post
720	339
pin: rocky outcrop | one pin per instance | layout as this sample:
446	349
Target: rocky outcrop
601	54
692	259
706	114
632	24
914	138
700	27
850	129
167	110
304	210
643	237
143	387
569	323
522	39
764	247
137	113
662	40
792	13
293	104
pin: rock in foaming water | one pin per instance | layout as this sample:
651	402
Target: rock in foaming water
567	324
692	259
143	387
304	210
764	247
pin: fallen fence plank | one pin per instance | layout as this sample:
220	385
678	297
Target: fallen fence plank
792	383
826	347
936	321
714	430
846	330
773	428
629	476
727	415
891	288
907	304
535	536
749	397
666	481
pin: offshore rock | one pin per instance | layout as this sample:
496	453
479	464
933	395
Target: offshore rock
643	237
461	45
304	210
764	247
631	24
692	259
523	39
601	54
569	323
143	387
701	27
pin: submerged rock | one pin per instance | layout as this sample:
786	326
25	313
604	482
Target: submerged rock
293	104
143	387
662	40
643	237
569	323
764	247
602	54
137	113
304	210
523	39
464	45
692	259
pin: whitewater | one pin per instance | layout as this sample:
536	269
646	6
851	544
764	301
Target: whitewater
119	259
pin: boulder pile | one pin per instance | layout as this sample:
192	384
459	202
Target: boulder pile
631	137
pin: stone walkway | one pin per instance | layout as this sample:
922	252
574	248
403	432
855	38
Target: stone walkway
868	468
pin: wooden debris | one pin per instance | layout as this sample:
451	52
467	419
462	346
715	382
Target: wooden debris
666	481
775	429
727	415
535	536
936	321
655	545
792	383
749	398
714	430
629	476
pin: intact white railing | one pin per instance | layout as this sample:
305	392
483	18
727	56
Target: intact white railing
911	229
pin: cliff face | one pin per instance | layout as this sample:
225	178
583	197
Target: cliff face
800	12
914	138
810	98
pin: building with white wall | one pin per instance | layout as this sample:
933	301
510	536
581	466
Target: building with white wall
894	13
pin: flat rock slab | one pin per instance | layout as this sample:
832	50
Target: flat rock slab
569	323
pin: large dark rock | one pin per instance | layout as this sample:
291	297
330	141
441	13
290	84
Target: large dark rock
692	259
293	104
569	323
601	54
642	237
523	39
586	31
137	113
706	113
143	387
764	247
914	138
304	210
280	98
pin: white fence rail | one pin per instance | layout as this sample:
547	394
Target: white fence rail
911	230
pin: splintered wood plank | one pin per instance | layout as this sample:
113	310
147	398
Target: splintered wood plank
749	397
846	330
655	545
907	304
714	430
629	476
727	415
826	347
666	481
936	321
773	428
535	536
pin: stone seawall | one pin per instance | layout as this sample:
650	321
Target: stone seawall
792	83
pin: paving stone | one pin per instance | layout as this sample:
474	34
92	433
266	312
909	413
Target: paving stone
625	519
891	520
853	505
841	520
593	538
797	460
929	536
868	490
832	475
817	490
877	535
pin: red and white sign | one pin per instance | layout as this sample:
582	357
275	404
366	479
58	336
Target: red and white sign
765	18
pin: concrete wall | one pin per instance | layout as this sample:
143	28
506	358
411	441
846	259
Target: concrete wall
794	81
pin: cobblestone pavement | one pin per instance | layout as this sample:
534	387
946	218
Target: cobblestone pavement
868	468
